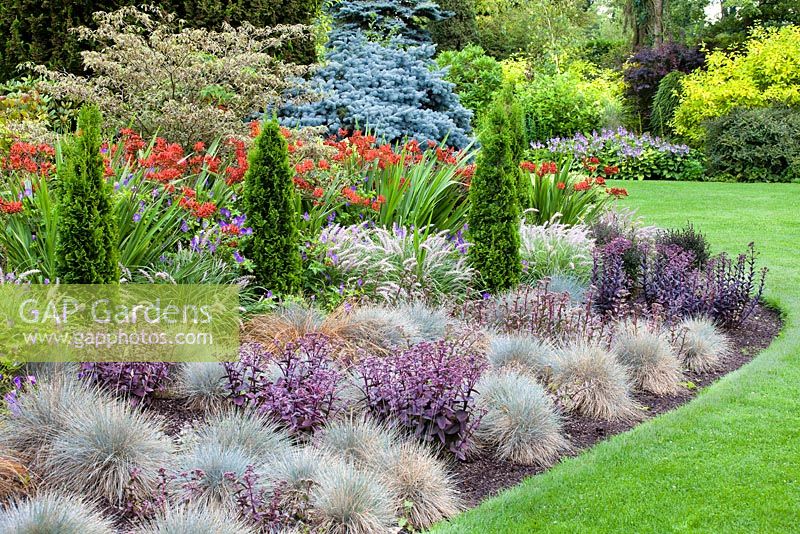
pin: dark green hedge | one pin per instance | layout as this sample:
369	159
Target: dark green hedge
38	31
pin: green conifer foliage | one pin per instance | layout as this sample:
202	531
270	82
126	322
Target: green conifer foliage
457	31
494	212
87	250
271	209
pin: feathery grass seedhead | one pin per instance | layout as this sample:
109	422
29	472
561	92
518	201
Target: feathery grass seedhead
357	439
193	519
589	381
42	413
101	448
202	384
347	500
257	436
53	513
520	422
522	352
424	491
649	358
702	345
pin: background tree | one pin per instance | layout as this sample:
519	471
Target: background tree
457	31
494	208
87	242
270	206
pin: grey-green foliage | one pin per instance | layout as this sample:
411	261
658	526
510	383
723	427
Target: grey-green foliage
53	513
665	101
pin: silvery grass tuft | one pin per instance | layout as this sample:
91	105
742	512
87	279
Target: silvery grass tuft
53	513
589	381
701	344
349	500
520	424
108	450
649	358
190	518
401	264
554	248
521	352
202	384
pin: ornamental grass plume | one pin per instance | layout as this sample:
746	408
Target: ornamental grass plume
520	424
589	381
649	358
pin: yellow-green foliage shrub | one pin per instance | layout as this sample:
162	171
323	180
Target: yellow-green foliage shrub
766	71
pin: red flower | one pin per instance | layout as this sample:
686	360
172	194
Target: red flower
528	166
231	229
600	180
199	146
561	185
318	192
548	167
304	166
204	210
10	207
582	186
594	159
610	170
323	164
617	192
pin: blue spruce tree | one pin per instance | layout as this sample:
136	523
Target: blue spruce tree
379	74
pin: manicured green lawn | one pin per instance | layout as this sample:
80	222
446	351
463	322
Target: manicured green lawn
727	462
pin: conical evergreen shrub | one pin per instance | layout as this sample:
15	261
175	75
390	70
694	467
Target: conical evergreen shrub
87	251
271	209
494	211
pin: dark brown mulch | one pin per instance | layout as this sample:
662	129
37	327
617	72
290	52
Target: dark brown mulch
482	477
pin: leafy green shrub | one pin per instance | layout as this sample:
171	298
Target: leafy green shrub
87	245
53	512
494	213
41	33
755	145
477	76
520	422
579	99
269	202
766	71
665	101
459	30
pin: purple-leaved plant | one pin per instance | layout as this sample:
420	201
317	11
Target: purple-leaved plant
611	284
298	385
429	389
136	380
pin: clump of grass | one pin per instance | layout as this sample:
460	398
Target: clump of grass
701	344
356	440
297	468
202	384
424	491
649	358
522	352
194	519
287	324
14	477
349	500
212	461
589	381
562	283
519	423
430	323
52	513
258	437
376	328
42	413
101	446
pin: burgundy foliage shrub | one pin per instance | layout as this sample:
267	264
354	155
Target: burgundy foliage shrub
136	380
297	385
429	389
611	284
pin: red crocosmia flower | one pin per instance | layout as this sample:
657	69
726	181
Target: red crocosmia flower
10	207
318	192
561	186
610	170
582	186
301	183
304	166
204	210
594	160
188	192
547	167
169	188
323	164
199	146
528	166
600	180
617	192
231	229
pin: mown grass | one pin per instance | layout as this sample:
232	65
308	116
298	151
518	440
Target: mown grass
729	461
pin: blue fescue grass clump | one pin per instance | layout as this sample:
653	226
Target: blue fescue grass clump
52	513
192	518
108	450
521	352
701	345
202	385
648	356
520	424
